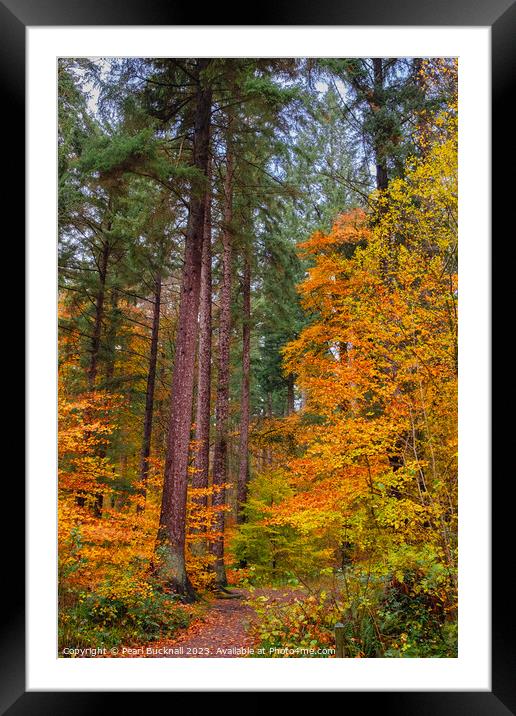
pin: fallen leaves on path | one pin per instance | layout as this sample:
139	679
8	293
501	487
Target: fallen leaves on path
222	632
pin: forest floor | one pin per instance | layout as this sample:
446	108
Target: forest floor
223	629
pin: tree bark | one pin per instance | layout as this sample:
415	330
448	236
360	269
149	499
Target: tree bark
149	395
99	315
220	457
202	420
382	178
170	548
243	468
111	340
81	499
268	452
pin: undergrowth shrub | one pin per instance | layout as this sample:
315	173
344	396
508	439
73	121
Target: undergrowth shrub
393	616
105	619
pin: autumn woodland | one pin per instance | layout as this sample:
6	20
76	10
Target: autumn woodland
257	357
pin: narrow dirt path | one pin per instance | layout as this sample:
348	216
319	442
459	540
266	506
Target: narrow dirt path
222	632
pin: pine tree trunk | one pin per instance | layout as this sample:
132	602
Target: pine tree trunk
81	500
202	420
422	117
382	178
268	453
149	395
170	546
243	468
99	316
111	339
220	458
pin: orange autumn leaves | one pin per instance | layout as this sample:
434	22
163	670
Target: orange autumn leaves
377	365
85	428
107	528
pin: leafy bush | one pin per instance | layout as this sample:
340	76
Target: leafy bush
415	622
396	616
302	628
275	552
106	619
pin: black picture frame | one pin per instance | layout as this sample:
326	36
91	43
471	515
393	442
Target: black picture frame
500	15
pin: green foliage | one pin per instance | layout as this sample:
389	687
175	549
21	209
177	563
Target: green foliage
120	151
382	617
75	559
264	87
394	615
276	553
415	623
102	619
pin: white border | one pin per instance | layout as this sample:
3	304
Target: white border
471	670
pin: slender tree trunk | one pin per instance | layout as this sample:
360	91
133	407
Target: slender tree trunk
243	468
262	452
268	453
99	316
94	357
220	458
422	117
149	395
111	339
382	178
380	152
172	531
202	420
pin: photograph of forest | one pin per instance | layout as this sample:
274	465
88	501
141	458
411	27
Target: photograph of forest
257	357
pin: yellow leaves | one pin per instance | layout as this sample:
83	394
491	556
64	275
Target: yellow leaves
374	447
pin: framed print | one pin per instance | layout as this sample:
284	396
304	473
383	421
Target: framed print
255	427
